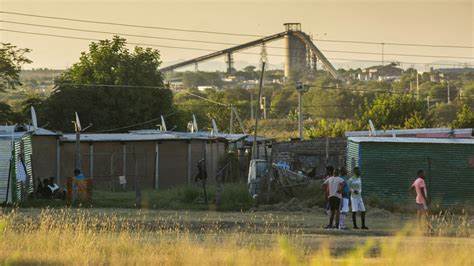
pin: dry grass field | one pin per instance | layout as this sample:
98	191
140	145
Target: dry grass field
131	237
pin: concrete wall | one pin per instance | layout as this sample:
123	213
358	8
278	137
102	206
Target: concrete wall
307	154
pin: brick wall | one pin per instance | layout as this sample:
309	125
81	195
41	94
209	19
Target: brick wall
307	154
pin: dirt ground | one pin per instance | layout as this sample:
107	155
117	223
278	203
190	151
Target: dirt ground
312	221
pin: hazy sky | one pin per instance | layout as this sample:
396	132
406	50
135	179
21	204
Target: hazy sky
433	22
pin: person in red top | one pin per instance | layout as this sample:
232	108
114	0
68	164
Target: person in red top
421	194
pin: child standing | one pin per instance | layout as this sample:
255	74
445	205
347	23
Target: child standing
345	198
355	185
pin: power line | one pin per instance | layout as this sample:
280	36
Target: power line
231	34
133	125
116	33
399	54
222	43
95	39
397	43
210	50
206	99
129	25
140	86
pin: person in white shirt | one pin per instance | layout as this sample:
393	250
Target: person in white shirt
334	186
357	204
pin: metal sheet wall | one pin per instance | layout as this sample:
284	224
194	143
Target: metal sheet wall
141	163
5	160
44	157
67	163
197	153
172	163
388	169
108	158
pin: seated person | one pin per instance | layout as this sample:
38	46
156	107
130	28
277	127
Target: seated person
46	190
53	187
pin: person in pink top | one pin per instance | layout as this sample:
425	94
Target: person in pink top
421	194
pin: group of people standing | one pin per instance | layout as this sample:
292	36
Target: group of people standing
342	192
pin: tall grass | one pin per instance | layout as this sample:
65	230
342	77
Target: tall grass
75	237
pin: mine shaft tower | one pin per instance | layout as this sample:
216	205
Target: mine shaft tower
301	54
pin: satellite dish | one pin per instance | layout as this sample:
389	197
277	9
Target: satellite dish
78	123
163	124
214	127
372	128
195	125
34	120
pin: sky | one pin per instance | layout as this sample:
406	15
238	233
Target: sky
415	21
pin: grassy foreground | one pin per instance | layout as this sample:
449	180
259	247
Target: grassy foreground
78	237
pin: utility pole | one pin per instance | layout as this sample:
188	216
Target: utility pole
383	59
251	105
263	106
300	119
78	129
301	88
449	92
255	152
231	124
417	86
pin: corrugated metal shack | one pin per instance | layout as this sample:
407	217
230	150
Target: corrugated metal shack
156	159
389	167
415	133
15	163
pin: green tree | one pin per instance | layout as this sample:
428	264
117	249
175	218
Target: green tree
396	111
467	93
464	118
11	60
7	116
325	128
283	102
134	91
443	114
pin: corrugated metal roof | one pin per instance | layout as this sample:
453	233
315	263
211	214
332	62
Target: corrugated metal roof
412	140
6	130
199	134
135	137
467	131
43	132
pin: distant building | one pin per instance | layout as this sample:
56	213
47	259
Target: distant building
206	87
440	74
388	72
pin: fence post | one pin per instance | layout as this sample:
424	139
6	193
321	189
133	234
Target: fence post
138	194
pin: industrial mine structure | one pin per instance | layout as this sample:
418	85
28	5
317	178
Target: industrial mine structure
301	53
